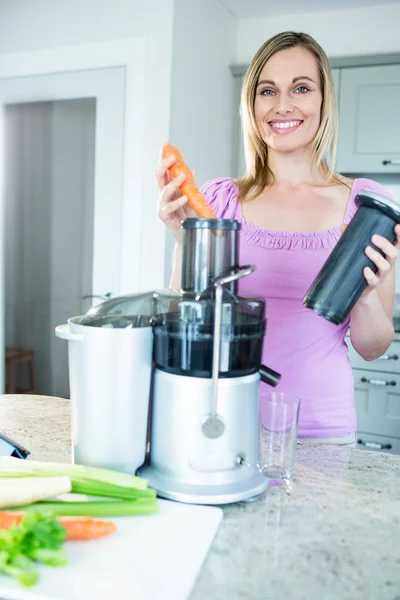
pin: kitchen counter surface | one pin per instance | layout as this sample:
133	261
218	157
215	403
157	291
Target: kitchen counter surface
334	536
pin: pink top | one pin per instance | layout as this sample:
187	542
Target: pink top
308	351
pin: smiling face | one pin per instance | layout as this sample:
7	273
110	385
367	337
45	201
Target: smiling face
288	100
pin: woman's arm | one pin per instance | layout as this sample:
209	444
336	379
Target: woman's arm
371	330
175	282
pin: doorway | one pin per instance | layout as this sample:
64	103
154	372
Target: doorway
113	76
49	215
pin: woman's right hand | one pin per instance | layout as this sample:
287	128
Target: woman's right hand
172	206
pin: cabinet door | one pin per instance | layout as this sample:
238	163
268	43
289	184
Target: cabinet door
369	120
377	397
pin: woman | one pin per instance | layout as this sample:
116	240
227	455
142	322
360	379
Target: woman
293	208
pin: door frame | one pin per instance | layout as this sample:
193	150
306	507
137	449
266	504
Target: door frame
131	54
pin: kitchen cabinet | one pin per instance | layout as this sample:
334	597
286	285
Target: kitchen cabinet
377	398
380	443
369	120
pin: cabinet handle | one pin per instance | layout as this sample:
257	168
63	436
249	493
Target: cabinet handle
395	161
375	445
388	357
377	381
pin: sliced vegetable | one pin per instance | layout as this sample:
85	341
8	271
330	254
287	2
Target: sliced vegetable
126	494
16	492
9	464
37	538
71	497
85	528
96	508
196	200
8	518
77	528
95	488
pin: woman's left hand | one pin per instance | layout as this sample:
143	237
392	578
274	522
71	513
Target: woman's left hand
385	263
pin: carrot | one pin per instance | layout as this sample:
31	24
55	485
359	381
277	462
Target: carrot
7	519
77	528
196	200
86	528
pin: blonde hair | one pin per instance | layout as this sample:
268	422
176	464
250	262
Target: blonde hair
258	174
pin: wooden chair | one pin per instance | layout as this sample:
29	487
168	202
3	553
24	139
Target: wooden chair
14	357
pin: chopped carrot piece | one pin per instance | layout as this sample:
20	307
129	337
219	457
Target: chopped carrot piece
77	528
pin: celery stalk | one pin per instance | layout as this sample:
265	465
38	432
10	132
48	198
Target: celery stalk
111	508
10	467
126	494
98	488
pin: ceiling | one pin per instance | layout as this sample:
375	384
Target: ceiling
272	8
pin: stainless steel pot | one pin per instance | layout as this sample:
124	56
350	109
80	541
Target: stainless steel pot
109	374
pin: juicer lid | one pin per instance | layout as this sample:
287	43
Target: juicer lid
375	200
131	310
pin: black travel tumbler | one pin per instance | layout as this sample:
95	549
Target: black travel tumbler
341	280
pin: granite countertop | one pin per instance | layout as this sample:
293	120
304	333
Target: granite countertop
334	536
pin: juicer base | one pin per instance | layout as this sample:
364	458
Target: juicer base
204	494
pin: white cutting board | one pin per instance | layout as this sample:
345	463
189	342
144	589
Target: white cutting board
152	557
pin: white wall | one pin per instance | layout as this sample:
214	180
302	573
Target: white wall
340	33
35	24
189	88
202	88
204	46
39	24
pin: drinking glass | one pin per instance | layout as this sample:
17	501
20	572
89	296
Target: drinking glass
279	416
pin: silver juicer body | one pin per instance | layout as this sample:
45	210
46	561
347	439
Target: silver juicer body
188	466
205	429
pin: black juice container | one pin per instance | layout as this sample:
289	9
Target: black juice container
341	281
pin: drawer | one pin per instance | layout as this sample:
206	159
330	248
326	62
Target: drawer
379	443
387	363
377	398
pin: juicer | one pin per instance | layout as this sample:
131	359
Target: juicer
194	395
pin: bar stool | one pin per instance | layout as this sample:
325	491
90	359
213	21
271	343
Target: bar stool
14	357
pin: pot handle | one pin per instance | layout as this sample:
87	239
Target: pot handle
63	332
